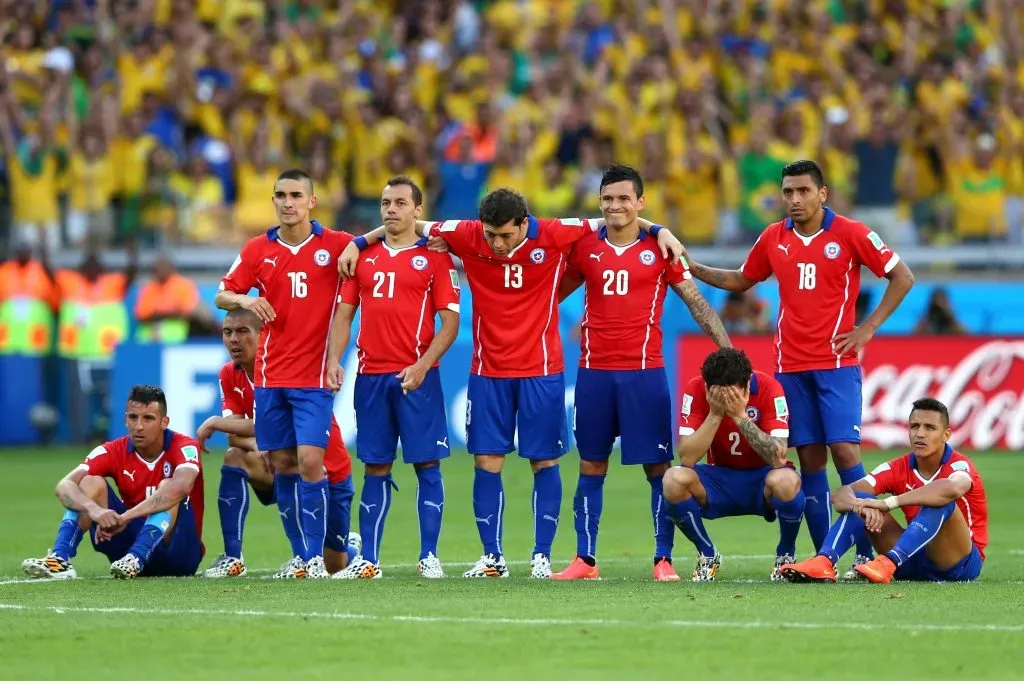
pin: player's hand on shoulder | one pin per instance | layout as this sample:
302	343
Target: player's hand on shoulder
412	376
348	261
670	246
261	307
437	245
335	376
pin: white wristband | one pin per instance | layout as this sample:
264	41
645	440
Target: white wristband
892	502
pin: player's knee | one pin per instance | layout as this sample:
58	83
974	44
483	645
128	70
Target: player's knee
593	467
284	462
425	465
311	463
94	487
813	458
538	466
235	457
845	455
784	483
378	469
654	470
677	482
492	463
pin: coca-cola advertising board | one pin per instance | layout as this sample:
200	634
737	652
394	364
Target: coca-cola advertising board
980	379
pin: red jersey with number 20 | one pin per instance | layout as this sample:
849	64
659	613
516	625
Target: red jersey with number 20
136	479
625	293
236	397
819	281
515	298
767	408
399	292
901	475
301	283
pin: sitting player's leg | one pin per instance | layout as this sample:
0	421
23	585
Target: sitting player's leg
339	553
156	529
782	492
312	411
242	469
179	550
73	527
687	500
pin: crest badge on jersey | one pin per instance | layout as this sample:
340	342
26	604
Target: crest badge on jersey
781	408
419	263
687	405
537	256
647	257
167	469
832	250
752	413
322	257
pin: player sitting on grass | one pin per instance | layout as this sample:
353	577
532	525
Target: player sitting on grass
739	418
244	463
153	523
943	500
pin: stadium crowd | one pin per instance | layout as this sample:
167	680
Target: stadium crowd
167	120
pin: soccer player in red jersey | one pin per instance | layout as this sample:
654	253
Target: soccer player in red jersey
293	266
816	256
401	287
943	500
151	521
621	386
738	417
244	463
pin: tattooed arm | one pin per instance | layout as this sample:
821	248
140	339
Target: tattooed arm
167	496
771	449
702	312
71	495
729	280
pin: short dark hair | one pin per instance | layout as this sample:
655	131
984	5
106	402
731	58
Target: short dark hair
148	394
501	206
932	404
297	174
805	167
399	180
246	316
726	366
622	173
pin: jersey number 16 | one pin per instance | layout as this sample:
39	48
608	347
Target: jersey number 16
299	288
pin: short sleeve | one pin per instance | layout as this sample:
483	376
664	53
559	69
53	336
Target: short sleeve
350	290
962	468
564	232
241	277
339	241
464	237
677	273
694	408
774	411
184	456
883	479
446	287
230	400
869	249
757	266
100	461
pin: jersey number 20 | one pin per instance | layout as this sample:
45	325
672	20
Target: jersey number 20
616	282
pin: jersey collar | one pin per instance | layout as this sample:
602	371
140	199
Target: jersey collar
947	453
273	235
603	234
168	436
826	221
532	227
753	384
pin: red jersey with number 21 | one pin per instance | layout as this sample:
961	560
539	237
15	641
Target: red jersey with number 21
515	298
819	281
301	283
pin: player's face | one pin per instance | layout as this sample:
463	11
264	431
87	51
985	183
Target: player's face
293	201
240	339
145	424
620	204
928	434
504	238
802	198
398	210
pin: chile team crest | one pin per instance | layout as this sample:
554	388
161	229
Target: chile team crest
322	257
647	257
419	263
167	469
832	250
537	256
753	413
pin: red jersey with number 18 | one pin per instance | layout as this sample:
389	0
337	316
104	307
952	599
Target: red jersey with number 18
515	298
301	283
819	281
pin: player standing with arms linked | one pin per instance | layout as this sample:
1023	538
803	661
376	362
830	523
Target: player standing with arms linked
400	287
621	386
816	256
293	267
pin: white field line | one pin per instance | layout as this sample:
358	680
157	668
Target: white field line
513	621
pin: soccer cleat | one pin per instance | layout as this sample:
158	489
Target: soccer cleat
359	568
577	569
225	566
540	566
852	573
489	565
816	569
706	568
295	568
664	572
780	561
316	569
878	571
128	567
430	567
50	567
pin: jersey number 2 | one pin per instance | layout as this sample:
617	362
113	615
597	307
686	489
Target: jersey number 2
299	288
734	438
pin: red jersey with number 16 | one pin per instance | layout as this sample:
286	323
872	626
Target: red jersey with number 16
301	283
515	298
819	281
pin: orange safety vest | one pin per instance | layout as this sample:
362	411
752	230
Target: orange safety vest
28	298
93	318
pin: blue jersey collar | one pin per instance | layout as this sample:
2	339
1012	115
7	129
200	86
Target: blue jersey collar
753	384
603	233
532	227
826	221
272	233
422	241
946	454
168	436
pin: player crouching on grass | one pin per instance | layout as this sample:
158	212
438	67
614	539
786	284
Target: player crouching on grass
153	523
943	502
739	418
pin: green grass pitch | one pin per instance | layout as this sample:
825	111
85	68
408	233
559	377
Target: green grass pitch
401	627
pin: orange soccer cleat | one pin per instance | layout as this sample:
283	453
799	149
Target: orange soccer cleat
816	569
664	572
578	569
877	571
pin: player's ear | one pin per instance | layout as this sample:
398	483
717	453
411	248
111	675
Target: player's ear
165	422
641	202
417	211
823	193
312	200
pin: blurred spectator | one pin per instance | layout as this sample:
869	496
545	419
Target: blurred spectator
166	306
877	154
744	313
28	300
939	318
199	199
460	183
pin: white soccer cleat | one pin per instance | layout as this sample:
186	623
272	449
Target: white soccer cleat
784	559
295	568
355	541
50	567
225	566
706	568
540	566
128	567
359	568
489	565
316	569
430	567
852	574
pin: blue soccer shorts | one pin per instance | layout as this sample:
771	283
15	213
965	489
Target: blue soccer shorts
384	416
179	557
339	514
920	568
824	405
635	405
734	491
537	404
288	417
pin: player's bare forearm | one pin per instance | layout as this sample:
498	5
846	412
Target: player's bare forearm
247	444
443	339
375	235
228	300
706	318
694	447
901	280
844	497
568	286
71	495
771	449
165	497
728	280
936	493
341	333
234	425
